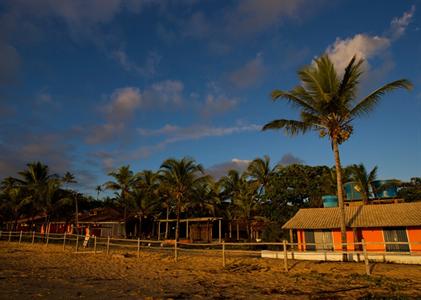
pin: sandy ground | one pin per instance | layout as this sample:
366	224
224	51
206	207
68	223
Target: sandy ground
37	271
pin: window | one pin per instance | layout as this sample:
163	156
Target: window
396	235
323	240
309	238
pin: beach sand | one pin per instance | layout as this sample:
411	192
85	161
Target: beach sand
36	271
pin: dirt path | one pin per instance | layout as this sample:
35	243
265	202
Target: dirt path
28	272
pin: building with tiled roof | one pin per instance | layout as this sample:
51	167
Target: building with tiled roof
319	228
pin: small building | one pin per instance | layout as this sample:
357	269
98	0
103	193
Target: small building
103	222
319	228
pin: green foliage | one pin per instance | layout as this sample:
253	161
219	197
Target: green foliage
411	191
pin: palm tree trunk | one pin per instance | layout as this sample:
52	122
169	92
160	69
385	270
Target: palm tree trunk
340	197
140	226
177	227
76	213
166	223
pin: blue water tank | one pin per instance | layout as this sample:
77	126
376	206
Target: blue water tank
351	191
389	192
330	201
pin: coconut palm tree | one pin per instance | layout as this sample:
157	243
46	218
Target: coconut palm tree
15	199
98	190
182	178
37	181
328	104
363	180
67	179
230	187
145	194
124	182
260	171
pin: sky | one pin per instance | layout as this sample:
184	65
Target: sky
87	86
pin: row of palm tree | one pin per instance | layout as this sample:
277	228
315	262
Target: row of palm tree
180	188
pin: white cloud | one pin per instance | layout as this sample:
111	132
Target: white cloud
399	25
148	69
123	104
26	147
164	93
253	16
103	133
175	134
217	104
289	159
79	15
365	46
361	45
249	74
222	169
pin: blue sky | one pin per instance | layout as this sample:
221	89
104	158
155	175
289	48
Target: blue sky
89	85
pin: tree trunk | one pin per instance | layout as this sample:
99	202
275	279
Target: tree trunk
125	216
76	213
166	223
140	226
340	198
15	225
177	227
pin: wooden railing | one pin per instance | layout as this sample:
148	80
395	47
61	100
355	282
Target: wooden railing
93	244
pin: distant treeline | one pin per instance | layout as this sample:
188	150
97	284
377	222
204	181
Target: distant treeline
181	188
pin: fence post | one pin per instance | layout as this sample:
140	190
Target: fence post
175	251
94	244
285	256
138	247
33	237
48	238
108	245
20	236
77	243
10	235
223	254
291	238
367	266
64	240
324	247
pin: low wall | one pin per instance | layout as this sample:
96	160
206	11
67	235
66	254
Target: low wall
335	256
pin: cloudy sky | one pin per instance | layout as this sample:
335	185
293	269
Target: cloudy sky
89	85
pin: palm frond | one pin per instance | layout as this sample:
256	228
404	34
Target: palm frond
293	98
291	127
368	103
348	86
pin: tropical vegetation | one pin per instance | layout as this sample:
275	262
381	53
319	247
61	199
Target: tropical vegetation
328	102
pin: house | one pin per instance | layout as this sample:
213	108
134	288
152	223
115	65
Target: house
103	222
319	228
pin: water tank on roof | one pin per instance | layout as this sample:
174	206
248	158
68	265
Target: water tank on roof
352	191
330	201
389	191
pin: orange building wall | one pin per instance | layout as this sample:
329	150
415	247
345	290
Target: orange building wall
370	235
301	241
373	235
414	236
336	234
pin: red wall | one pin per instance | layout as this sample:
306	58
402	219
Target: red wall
373	235
414	236
336	233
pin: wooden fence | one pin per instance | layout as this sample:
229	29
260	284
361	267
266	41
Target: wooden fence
222	249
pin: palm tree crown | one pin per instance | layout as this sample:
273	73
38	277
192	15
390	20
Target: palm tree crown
181	177
328	104
363	180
